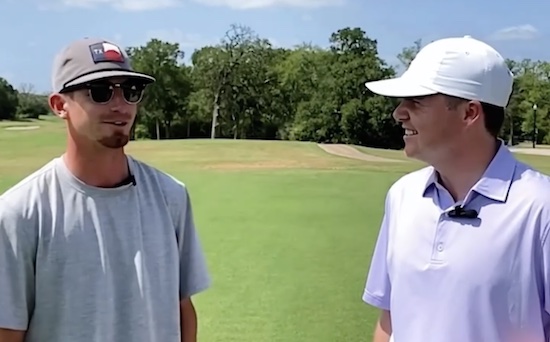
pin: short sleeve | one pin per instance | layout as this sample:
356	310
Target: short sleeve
194	276
378	287
17	250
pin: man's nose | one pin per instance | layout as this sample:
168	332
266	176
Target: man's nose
117	102
401	112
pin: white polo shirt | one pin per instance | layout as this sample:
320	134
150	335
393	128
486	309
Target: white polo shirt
484	279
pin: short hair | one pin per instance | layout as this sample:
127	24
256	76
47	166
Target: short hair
493	115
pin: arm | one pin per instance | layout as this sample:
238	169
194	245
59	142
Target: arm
17	246
194	277
188	321
383	330
7	335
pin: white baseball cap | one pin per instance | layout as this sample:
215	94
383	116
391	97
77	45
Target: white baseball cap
462	67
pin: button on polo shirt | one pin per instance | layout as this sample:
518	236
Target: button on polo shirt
465	279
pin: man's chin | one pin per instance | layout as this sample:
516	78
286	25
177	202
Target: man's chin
115	141
410	150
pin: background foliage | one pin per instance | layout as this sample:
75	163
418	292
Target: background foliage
244	88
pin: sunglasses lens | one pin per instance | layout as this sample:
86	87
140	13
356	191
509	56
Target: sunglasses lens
132	92
101	93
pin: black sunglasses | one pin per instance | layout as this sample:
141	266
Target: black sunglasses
102	92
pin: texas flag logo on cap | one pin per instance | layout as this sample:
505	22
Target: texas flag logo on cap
106	52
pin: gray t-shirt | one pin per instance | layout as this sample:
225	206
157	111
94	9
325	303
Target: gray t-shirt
79	263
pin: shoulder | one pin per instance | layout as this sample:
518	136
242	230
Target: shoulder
420	177
173	192
529	197
22	204
30	193
525	176
165	180
156	182
413	183
531	188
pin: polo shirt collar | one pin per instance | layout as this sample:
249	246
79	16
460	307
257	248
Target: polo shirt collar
495	181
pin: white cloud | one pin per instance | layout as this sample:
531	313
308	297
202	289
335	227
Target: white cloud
520	32
192	41
276	43
124	5
145	5
185	40
252	4
307	18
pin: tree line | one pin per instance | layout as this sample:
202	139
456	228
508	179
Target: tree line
245	88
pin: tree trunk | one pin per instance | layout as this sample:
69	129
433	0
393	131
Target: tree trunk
511	138
235	126
158	128
168	128
215	113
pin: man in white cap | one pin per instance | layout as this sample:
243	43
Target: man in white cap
463	253
97	246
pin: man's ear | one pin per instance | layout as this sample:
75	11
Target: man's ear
58	105
473	112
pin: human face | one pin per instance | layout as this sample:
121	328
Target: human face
432	128
102	113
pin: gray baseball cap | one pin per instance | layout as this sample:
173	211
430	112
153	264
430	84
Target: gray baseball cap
92	59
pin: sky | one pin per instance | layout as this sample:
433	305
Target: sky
33	31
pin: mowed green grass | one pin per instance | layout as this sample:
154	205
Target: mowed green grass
288	230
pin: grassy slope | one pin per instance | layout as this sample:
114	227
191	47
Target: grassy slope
288	229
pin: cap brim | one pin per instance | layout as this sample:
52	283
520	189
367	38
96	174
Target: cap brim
101	75
398	87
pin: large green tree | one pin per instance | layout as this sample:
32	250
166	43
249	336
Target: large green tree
245	88
166	100
9	100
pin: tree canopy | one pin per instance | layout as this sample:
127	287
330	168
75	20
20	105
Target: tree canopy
246	88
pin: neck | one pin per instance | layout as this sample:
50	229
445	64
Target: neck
463	168
100	168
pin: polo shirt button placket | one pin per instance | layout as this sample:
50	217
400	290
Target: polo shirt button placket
439	245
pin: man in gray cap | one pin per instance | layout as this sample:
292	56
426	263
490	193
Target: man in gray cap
97	246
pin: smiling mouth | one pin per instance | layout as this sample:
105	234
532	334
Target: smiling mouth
116	123
410	132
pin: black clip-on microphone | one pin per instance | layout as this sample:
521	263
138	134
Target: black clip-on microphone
460	212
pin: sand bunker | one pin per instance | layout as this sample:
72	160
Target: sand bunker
347	151
21	128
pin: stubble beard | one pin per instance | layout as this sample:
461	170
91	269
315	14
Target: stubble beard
115	141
